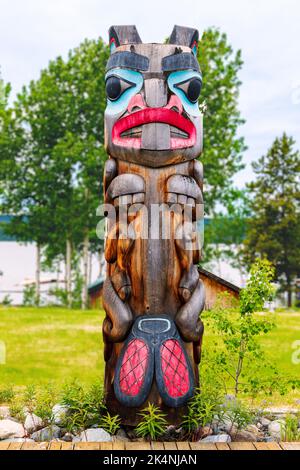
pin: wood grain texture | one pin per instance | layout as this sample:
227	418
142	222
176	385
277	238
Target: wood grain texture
241	446
222	446
290	445
202	446
155	446
87	446
267	446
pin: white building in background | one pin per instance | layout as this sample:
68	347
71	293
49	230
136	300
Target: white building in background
17	269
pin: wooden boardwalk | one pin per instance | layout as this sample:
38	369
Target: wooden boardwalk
159	446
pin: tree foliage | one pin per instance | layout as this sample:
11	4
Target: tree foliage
223	147
274	227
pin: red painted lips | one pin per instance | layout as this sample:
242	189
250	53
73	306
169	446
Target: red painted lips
152	115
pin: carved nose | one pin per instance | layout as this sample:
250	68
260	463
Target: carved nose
155	93
175	104
136	103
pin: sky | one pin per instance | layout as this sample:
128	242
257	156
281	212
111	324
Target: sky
32	32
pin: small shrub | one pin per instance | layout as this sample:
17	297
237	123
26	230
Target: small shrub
110	423
29	296
202	409
7	394
289	430
238	414
153	424
6	301
85	406
16	410
46	398
238	359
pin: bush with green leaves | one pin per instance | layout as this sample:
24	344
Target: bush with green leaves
289	430
86	406
7	394
153	423
237	415
29	296
110	423
6	301
202	409
37	400
237	359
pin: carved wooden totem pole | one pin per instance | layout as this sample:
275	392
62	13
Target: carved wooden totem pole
152	293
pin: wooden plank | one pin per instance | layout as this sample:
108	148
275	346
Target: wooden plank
203	446
241	446
67	446
267	446
105	445
54	445
183	445
222	446
15	445
87	445
35	446
157	445
290	445
137	446
118	445
4	445
170	446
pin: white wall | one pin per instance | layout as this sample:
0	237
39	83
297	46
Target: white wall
17	263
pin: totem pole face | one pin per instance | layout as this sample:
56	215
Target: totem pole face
152	293
152	116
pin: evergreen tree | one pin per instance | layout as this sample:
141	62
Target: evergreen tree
274	227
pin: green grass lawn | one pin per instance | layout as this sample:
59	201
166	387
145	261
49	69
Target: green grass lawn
50	344
55	345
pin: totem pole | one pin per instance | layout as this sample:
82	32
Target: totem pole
152	294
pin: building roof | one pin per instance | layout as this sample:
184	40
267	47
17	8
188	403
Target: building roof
97	284
219	280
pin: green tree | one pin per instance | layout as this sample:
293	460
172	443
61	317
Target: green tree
274	227
223	148
239	358
57	174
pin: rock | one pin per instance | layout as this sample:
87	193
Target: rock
206	431
265	422
4	412
121	435
217	438
10	429
47	434
275	428
227	425
32	423
59	413
268	439
242	435
253	429
68	437
95	435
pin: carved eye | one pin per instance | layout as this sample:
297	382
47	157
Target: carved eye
191	88
115	87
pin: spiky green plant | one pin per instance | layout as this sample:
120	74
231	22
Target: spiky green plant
153	424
